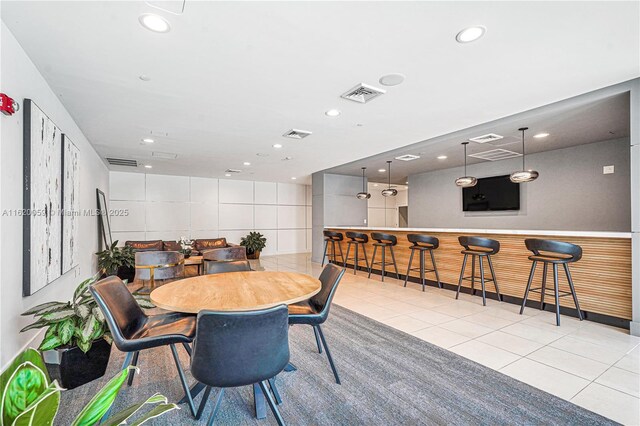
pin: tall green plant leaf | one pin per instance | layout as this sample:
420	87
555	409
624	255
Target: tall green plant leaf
50	342
84	285
59	316
88	327
102	401
65	330
23	387
125	414
38	324
43	410
83	311
46	308
156	412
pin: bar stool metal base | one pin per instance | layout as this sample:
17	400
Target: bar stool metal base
332	256
356	258
383	263
482	278
422	268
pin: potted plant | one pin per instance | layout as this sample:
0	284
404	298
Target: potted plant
30	397
254	243
118	261
77	343
186	246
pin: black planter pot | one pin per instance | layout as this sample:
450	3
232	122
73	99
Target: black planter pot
126	273
73	368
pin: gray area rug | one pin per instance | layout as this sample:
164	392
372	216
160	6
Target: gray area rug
388	378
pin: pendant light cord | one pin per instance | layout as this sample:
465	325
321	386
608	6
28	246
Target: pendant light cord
389	170
523	150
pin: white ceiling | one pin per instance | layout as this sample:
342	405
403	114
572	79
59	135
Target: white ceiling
231	77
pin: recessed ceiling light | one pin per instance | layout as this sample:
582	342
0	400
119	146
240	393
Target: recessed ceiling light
277	145
144	77
470	34
333	113
246	163
294	178
391	79
407	182
154	23
227	174
147	140
148	166
541	135
442	157
382	170
375	184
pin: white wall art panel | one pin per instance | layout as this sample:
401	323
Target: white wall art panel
167	235
42	262
266	193
127	216
236	216
291	194
309	195
167	188
272	241
167	216
204	216
236	191
127	186
266	217
309	217
122	237
292	240
70	203
291	217
204	190
204	233
233	236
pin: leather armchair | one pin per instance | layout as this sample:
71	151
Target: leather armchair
219	249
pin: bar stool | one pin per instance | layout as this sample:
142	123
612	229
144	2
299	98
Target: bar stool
478	247
423	244
359	239
554	253
333	238
384	241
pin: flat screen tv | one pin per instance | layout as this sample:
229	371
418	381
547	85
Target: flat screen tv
491	194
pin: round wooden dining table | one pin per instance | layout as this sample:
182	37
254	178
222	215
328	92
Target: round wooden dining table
236	291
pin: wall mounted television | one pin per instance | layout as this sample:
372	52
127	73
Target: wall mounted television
495	193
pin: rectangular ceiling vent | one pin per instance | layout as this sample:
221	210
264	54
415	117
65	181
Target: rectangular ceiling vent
233	171
489	137
122	162
496	154
363	93
507	140
297	134
164	155
408	157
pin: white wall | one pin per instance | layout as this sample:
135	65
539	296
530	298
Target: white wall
21	79
383	211
168	207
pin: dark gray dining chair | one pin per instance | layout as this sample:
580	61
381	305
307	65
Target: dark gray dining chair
221	266
134	331
158	265
315	311
234	349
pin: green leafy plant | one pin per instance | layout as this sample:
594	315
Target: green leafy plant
29	397
114	257
78	322
254	242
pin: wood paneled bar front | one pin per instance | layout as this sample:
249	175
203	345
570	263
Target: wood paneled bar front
602	277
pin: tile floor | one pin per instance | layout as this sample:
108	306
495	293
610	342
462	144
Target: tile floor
590	364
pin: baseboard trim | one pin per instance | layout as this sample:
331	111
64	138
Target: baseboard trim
29	343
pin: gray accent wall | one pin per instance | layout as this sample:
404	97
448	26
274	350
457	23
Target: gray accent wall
334	204
571	193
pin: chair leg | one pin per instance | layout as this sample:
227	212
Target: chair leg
203	403
493	276
356	260
526	291
332	259
384	261
422	280
435	268
544	285
555	289
326	348
373	259
395	265
187	348
317	340
134	362
484	296
364	251
473	274
272	404
127	360
183	379
464	265
341	255
274	390
344	264
324	253
216	407
409	267
573	291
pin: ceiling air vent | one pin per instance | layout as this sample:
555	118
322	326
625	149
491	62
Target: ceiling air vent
363	93
489	137
296	134
122	162
496	154
164	155
233	171
408	157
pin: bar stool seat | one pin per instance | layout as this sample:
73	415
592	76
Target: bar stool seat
359	240
482	248
554	253
384	241
332	237
422	244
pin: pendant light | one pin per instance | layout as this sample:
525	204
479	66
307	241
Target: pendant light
523	175
364	195
389	192
466	181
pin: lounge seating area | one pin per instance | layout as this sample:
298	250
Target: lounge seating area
320	213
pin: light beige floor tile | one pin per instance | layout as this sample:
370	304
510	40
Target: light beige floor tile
429	301
614	337
549	379
546	322
569	362
466	328
406	323
431	317
596	352
487	320
631	361
401	307
510	342
459	308
377	313
618	406
440	337
485	354
621	380
532	333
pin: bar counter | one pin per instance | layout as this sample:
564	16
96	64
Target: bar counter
602	277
